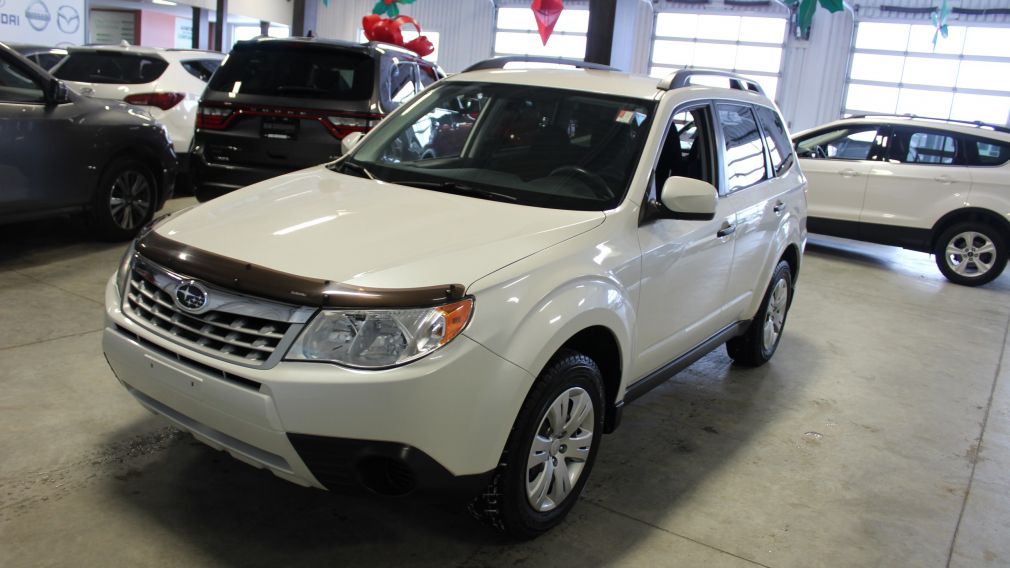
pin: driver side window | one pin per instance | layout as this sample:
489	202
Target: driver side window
686	152
17	87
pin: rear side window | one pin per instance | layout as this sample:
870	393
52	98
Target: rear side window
111	67
989	152
780	149
296	72
923	147
202	69
745	161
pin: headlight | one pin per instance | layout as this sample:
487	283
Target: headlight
372	339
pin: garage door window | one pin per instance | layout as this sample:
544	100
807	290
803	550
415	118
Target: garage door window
749	45
516	34
896	70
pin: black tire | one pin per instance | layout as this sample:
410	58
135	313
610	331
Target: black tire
505	504
124	201
752	349
964	262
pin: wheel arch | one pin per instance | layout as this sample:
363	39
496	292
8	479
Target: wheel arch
792	256
966	214
143	154
599	343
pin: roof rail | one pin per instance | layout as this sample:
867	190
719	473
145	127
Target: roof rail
682	78
975	123
500	62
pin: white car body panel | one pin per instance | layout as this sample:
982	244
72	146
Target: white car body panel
180	120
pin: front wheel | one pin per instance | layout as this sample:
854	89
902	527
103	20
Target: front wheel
757	345
971	254
550	451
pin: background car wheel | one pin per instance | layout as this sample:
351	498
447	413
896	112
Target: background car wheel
124	201
757	345
550	451
971	254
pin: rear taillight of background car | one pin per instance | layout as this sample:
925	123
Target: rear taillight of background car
213	118
164	101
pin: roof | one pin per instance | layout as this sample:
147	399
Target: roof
324	42
602	82
998	132
167	53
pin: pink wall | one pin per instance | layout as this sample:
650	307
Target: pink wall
157	29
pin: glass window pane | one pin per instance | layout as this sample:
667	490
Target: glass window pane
572	21
869	98
717	55
986	108
933	104
522	43
718	27
769	84
661	72
679	53
929	71
874	35
752	58
920	40
677	25
745	163
928	148
986	41
516	19
763	30
872	67
984	75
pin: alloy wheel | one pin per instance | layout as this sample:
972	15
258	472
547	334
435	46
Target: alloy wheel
130	199
775	315
561	446
970	254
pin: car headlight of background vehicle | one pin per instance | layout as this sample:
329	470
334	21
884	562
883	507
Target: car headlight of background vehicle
373	339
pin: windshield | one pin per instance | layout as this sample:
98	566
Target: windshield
529	145
295	71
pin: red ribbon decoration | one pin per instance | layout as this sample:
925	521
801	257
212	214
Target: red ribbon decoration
547	13
387	30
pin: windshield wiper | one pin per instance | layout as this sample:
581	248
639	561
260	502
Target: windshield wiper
458	189
353	168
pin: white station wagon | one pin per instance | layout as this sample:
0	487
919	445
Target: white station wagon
470	295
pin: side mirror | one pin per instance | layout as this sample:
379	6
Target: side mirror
350	141
688	198
56	92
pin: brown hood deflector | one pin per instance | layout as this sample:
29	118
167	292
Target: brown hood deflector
256	280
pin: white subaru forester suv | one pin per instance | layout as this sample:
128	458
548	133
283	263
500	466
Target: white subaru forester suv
469	296
935	186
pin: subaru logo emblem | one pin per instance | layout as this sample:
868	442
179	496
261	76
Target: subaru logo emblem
190	296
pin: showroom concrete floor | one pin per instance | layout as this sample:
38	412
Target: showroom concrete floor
878	436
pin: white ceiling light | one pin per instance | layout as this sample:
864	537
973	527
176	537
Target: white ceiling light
164	2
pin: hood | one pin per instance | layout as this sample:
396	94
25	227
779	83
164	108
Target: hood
316	223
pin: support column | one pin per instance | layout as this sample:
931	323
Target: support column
264	28
222	25
303	20
600	37
201	28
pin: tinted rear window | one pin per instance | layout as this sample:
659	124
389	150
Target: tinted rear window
202	69
111	67
990	152
297	72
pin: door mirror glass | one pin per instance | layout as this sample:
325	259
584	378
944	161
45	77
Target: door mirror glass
689	198
350	141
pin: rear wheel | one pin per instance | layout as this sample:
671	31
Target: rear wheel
757	345
550	451
124	201
971	253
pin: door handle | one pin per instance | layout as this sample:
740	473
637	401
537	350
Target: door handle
726	230
944	179
779	207
848	173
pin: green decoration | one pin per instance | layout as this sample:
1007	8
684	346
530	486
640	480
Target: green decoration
940	21
804	10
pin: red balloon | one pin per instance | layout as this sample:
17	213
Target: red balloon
547	13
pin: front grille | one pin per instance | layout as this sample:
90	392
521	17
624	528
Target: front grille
240	338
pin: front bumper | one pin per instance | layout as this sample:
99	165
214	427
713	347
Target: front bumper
438	424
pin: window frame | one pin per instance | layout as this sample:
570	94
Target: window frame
715	173
789	159
722	144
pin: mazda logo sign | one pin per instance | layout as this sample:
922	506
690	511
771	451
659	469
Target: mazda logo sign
190	296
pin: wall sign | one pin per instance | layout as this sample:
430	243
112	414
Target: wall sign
42	22
109	27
